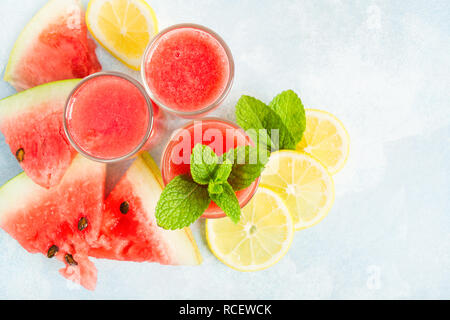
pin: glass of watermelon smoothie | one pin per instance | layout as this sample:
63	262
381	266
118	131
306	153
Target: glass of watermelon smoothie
108	117
188	70
221	136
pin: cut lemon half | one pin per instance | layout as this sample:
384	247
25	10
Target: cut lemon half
303	183
259	240
326	139
123	27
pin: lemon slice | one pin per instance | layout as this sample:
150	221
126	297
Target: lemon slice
326	139
259	240
303	183
123	27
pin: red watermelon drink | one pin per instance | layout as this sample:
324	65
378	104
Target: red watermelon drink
108	117
219	135
188	70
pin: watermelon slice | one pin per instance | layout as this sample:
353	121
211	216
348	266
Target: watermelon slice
60	222
32	123
53	46
129	231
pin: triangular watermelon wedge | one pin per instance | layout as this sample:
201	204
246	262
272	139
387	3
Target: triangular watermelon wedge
53	46
32	123
61	222
129	231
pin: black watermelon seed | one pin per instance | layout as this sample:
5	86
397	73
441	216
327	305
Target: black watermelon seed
82	224
52	251
70	260
124	207
20	154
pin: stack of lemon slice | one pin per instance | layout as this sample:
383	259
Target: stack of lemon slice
259	240
297	192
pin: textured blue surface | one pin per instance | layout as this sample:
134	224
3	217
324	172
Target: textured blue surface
382	67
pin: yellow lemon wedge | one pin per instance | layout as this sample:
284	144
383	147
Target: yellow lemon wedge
303	183
123	27
259	240
326	139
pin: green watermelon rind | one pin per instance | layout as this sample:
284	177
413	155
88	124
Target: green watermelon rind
153	167
13	192
14	113
53	91
49	12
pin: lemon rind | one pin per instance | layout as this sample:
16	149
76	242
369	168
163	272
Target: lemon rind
325	210
280	255
116	55
341	164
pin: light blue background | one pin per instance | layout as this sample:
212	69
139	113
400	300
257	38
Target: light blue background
382	66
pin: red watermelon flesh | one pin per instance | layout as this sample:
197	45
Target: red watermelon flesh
53	46
32	123
129	231
67	216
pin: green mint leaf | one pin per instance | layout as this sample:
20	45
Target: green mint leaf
291	111
248	164
263	124
181	203
204	163
215	187
223	171
228	202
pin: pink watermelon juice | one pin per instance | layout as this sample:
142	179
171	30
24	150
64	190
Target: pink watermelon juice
108	117
188	70
221	136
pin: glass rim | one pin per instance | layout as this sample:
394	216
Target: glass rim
256	183
231	64
149	104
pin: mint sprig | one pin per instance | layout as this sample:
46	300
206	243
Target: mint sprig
262	124
279	125
248	163
228	202
186	198
206	169
290	109
215	188
223	170
204	163
182	202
